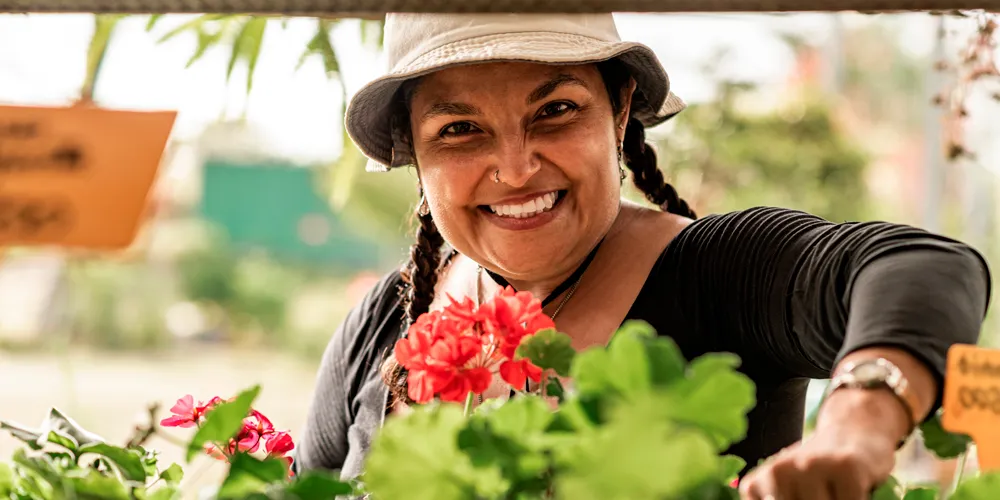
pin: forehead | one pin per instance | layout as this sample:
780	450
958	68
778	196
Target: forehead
497	80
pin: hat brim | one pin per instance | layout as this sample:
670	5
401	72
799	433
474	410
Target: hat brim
369	113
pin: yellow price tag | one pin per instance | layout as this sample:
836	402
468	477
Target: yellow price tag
972	399
77	176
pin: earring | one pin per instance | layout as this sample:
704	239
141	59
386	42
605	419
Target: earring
621	170
423	209
496	176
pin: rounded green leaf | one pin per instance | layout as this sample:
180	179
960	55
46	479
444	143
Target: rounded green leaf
549	350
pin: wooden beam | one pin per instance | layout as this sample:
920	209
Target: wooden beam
374	9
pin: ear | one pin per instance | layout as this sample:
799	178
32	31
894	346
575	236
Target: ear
621	121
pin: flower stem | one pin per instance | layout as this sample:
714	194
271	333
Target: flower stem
468	403
959	470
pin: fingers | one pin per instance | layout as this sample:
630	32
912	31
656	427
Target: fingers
799	476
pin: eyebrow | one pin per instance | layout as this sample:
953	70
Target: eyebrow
550	86
451	108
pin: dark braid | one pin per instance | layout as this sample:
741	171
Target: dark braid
421	275
639	156
641	160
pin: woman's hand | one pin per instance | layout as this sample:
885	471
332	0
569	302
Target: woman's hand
851	452
831	464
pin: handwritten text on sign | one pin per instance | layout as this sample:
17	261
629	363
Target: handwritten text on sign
77	176
972	399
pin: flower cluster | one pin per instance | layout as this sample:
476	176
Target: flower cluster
454	351
257	433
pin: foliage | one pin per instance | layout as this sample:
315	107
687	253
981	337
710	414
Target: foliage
724	156
666	421
62	460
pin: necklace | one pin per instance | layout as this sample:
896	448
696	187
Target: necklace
569	286
569	293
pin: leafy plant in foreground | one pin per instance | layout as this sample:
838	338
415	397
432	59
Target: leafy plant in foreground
630	420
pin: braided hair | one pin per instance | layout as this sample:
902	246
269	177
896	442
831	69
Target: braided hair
420	274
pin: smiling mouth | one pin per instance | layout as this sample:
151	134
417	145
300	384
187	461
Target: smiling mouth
530	208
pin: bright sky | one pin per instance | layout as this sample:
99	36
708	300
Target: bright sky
42	62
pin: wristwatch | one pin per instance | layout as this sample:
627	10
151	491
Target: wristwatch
877	373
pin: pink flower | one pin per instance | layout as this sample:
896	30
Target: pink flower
279	444
255	428
188	414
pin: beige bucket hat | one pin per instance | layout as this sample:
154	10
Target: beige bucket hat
418	44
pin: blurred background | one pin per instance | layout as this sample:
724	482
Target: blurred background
264	230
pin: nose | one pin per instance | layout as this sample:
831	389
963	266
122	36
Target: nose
517	163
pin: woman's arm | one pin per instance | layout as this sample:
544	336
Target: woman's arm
799	295
323	441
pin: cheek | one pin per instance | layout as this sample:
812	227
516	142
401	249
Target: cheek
449	188
588	160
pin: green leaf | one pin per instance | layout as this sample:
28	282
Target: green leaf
887	491
26	434
206	40
320	45
942	443
57	421
64	441
635	361
41	466
153	20
548	350
983	487
714	397
511	438
524	418
192	25
223	422
249	475
622	370
555	389
247	46
6	479
921	494
416	457
318	485
166	492
173	474
635	456
98	486
731	467
129	464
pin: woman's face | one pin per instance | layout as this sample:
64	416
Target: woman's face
551	133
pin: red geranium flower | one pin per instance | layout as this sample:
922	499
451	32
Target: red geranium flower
438	352
509	318
279	444
255	428
452	352
188	414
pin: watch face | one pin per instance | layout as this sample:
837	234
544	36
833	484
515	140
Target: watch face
870	373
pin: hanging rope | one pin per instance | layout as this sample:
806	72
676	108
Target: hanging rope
370	8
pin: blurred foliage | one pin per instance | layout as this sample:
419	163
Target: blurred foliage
723	156
114	306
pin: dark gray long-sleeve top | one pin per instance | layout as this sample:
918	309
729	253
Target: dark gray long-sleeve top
790	293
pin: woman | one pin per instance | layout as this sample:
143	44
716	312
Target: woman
520	129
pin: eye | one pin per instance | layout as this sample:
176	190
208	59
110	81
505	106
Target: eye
457	128
556	108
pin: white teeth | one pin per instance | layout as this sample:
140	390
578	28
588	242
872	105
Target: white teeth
529	208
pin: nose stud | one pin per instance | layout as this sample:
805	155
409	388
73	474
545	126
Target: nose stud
496	176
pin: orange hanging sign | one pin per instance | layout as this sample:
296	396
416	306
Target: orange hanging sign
972	399
77	176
